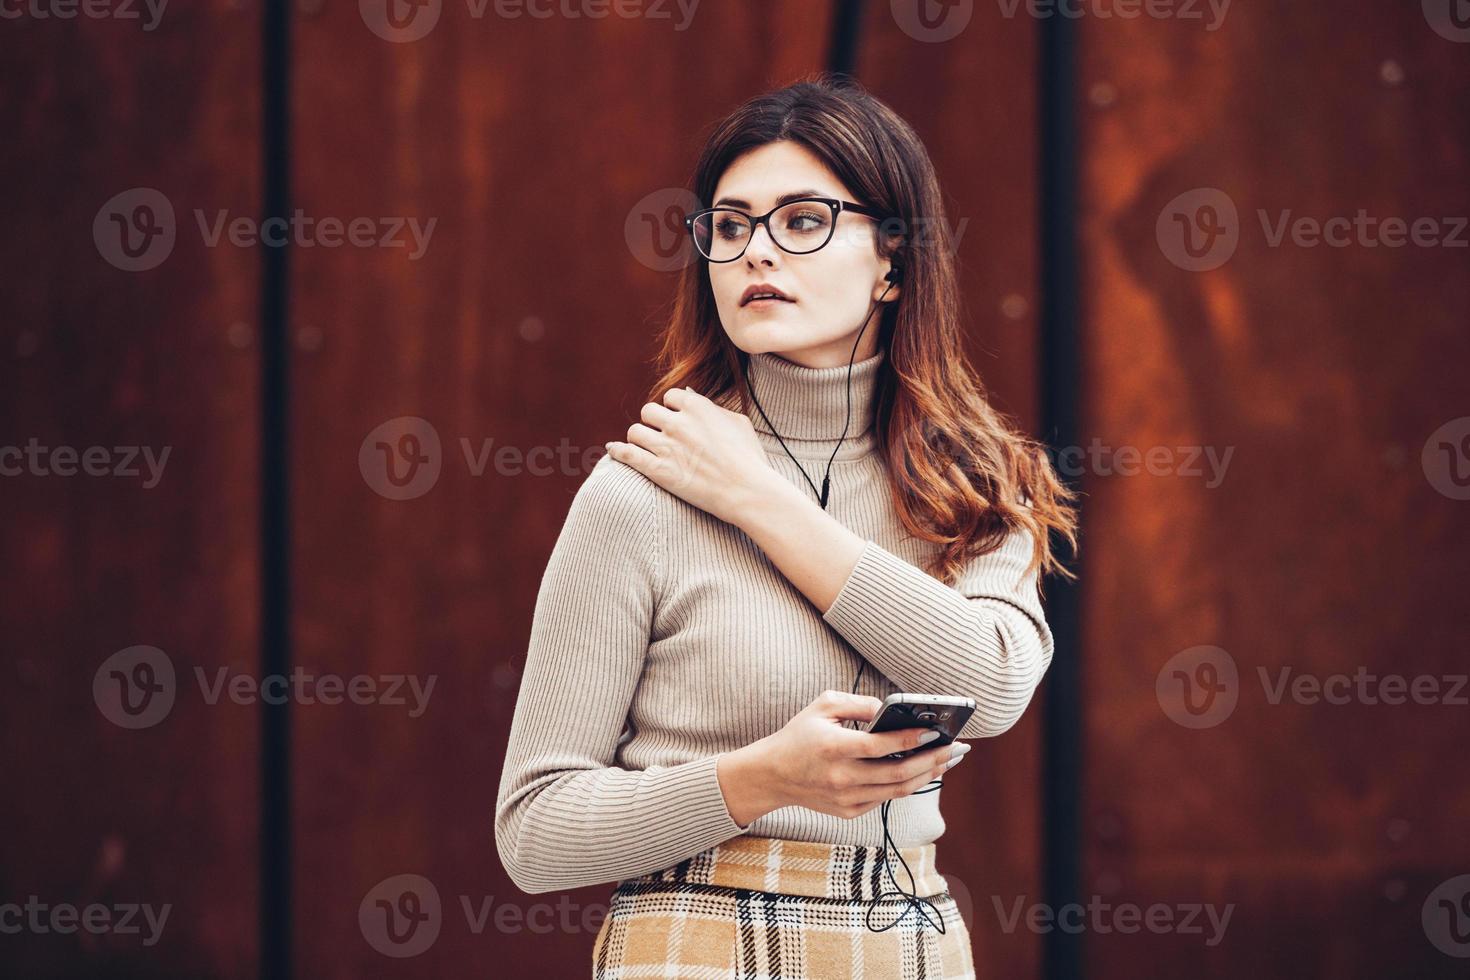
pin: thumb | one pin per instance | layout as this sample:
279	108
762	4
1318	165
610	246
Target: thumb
856	707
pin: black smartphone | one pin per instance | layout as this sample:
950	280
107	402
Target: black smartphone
946	715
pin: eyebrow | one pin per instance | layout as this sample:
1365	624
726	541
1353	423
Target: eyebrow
736	202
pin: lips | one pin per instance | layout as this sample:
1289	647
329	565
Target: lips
762	290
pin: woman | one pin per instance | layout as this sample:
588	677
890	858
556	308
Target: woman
684	725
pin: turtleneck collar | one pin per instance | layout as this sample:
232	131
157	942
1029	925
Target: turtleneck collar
809	406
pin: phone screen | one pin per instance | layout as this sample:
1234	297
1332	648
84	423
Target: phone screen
947	719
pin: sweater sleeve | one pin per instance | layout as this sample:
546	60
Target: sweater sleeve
565	815
984	638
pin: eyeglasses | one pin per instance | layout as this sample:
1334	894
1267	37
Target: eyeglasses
798	227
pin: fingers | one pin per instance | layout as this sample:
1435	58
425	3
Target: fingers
679	397
876	745
657	415
911	786
648	437
635	456
857	800
837	704
890	771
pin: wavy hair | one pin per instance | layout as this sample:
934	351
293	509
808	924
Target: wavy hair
962	474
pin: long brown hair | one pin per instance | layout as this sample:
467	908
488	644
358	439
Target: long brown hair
962	474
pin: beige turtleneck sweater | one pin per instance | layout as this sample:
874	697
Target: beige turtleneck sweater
663	637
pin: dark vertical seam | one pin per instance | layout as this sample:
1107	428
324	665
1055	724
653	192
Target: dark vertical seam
1060	381
847	18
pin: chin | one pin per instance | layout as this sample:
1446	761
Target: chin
773	326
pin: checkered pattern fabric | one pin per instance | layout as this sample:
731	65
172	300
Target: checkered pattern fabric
761	908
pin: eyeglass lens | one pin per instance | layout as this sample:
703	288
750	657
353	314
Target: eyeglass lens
801	226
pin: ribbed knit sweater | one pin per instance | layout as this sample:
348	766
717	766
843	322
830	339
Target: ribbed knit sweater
663	637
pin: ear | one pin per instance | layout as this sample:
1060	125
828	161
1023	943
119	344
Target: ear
885	290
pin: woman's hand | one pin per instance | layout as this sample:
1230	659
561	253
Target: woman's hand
702	452
816	763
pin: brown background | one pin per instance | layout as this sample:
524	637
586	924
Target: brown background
530	320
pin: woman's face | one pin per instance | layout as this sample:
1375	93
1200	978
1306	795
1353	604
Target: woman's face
831	290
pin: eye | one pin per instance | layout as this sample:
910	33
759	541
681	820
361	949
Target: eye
806	219
730	227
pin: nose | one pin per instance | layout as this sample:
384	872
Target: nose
761	249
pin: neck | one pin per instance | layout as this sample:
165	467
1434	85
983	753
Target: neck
809	408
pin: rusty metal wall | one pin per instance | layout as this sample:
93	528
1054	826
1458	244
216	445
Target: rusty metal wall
128	376
1324	539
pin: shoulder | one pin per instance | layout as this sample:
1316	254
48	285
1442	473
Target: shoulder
613	521
616	497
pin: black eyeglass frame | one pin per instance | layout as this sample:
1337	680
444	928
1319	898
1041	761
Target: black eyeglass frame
836	204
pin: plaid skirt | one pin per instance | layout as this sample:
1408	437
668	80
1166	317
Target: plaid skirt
762	908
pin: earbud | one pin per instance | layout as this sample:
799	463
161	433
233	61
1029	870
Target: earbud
892	277
895	275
